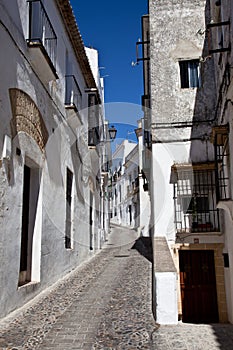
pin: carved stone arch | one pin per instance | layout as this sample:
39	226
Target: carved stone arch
27	117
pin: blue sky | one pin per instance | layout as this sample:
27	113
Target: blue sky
113	28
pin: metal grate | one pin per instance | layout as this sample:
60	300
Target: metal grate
195	201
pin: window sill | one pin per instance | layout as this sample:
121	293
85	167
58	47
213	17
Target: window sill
29	286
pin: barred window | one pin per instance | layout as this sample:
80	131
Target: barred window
195	198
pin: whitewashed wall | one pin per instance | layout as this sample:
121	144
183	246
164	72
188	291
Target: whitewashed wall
66	146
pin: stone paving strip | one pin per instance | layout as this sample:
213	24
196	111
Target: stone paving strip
105	304
127	322
79	323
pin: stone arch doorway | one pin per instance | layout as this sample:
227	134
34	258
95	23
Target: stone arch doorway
30	134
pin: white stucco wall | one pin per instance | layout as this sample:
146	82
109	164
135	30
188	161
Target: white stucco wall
66	148
165	298
228	271
163	156
120	203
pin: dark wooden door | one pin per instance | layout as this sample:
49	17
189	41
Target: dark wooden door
198	286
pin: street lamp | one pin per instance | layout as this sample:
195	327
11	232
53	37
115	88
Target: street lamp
112	133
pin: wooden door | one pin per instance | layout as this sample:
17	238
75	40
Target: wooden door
198	286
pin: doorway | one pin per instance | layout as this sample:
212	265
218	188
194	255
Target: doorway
198	286
68	228
31	184
91	221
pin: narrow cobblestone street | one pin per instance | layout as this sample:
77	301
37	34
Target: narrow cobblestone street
106	304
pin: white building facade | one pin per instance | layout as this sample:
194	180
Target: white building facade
50	175
121	213
130	196
220	29
187	124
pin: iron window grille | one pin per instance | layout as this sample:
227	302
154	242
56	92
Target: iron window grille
220	138
195	200
189	74
41	32
73	98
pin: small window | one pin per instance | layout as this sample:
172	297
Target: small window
189	74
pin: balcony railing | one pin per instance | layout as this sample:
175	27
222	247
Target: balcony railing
41	32
73	98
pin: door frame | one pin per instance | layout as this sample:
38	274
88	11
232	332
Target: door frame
219	270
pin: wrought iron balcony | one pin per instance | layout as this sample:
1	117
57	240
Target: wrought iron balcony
41	33
73	98
195	199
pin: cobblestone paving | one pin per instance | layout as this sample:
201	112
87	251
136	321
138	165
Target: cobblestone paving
106	304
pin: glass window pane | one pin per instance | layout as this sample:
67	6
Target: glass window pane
193	74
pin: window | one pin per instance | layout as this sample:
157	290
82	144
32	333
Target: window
93	121
189	74
73	97
69	182
195	198
93	136
220	139
41	32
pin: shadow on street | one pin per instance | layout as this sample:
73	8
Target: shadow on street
144	246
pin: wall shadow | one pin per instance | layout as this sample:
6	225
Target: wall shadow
204	113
